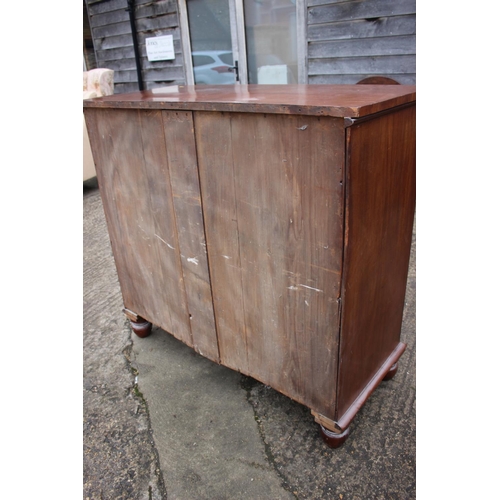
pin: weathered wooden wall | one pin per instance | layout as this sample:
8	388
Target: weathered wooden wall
113	43
347	40
353	39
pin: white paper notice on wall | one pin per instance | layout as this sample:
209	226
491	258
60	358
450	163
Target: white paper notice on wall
160	48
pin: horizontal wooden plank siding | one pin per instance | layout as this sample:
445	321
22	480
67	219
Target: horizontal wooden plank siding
311	3
362	28
351	40
359	9
346	40
387	65
127	51
128	63
151	8
403	79
101	6
362	47
113	43
112	17
114	29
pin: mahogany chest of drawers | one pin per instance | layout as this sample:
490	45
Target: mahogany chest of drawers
268	227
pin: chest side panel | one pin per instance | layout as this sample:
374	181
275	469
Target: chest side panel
273	206
379	219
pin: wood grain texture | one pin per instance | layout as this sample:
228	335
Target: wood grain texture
380	65
363	47
150	24
360	38
364	28
168	287
127	53
274	219
149	7
379	219
215	157
134	180
100	129
113	30
306	220
183	169
103	19
401	78
359	9
378	80
313	100
373	383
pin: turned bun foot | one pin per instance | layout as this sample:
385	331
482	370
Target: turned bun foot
141	328
332	439
392	371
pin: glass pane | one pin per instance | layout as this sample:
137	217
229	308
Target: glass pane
271	36
211	41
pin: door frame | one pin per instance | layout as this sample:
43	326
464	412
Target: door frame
238	39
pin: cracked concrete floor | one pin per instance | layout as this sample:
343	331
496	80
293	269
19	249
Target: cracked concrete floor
160	420
120	460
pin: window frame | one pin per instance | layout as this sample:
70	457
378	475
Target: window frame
238	39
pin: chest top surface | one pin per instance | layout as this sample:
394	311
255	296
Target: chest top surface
348	101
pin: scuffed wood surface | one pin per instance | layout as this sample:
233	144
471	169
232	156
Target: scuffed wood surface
273	196
292	291
138	192
183	169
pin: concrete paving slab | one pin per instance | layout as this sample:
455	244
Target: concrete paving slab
205	431
161	421
120	461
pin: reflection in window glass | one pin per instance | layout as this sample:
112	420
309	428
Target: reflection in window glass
211	47
201	60
227	58
271	36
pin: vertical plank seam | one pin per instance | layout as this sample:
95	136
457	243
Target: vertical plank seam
150	203
345	241
202	206
295	127
238	233
181	267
